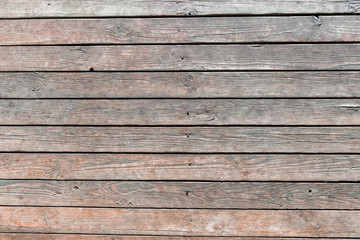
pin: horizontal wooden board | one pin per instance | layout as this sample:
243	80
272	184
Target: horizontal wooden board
180	84
299	223
180	30
30	236
181	139
248	167
181	112
93	8
181	57
224	195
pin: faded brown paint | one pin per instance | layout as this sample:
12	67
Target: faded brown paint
180	112
181	57
181	139
24	236
180	30
59	193
93	8
214	167
224	195
180	84
265	223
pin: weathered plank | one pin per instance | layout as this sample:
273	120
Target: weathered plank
224	195
181	57
181	112
180	85
93	8
180	30
30	236
280	223
181	139
248	167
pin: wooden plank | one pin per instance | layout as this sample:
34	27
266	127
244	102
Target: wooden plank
180	30
279	223
93	8
180	85
181	57
142	194
181	112
30	236
181	139
229	167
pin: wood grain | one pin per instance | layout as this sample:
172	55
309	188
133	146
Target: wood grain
224	195
93	8
229	167
181	57
181	139
181	112
180	85
180	30
335	223
30	236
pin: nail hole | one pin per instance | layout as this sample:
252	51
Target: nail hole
310	191
189	164
187	113
188	135
182	57
76	188
187	193
130	203
91	69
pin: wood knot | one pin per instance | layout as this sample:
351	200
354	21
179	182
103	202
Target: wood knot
122	29
189	12
317	20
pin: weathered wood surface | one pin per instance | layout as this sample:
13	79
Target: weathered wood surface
248	167
180	30
181	112
274	223
29	236
181	57
223	195
181	139
93	8
180	85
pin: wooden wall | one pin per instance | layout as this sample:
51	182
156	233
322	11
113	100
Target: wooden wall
179	119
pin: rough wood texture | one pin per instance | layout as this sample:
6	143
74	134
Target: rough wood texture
180	85
28	236
93	8
224	195
182	222
181	57
248	167
180	112
180	30
181	139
